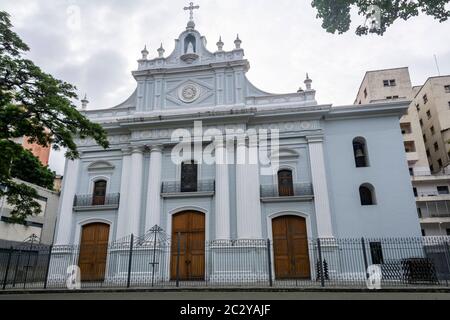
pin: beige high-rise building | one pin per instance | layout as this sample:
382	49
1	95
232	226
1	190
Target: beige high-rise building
432	101
426	134
394	84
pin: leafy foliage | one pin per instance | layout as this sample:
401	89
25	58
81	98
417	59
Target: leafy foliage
28	168
35	105
335	14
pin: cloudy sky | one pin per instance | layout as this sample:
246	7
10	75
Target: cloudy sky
282	40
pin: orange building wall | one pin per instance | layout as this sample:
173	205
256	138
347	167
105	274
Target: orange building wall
42	153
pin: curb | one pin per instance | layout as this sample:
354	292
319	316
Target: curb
240	289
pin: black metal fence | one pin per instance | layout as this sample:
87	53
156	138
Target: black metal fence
86	200
155	260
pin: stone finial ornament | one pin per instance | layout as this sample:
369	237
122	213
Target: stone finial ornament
220	44
144	53
237	42
161	51
308	82
84	102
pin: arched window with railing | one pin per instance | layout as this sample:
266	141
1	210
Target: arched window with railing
285	183
99	193
189	176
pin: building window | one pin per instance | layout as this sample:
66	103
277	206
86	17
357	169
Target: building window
419	212
411	171
424	137
367	194
439	163
447	89
421	122
376	252
431	168
285	185
360	152
449	104
365	93
415	191
442	189
389	83
98	198
188	176
428	153
423	233
432	130
436	146
429	114
425	98
448	232
417	107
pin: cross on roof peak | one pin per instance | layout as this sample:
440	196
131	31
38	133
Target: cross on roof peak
191	9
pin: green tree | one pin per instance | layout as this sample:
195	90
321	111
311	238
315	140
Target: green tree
335	14
28	168
35	105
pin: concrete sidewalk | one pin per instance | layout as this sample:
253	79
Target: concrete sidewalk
229	294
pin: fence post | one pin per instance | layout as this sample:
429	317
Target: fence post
7	267
366	266
130	260
447	258
319	248
269	260
28	261
17	267
178	259
48	266
154	257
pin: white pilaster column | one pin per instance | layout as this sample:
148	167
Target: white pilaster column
68	192
222	194
320	186
122	217
248	205
135	190
153	208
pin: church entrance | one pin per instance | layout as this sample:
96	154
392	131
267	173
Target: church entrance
93	251
290	246
188	246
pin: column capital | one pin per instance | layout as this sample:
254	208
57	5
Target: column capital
126	151
156	148
315	138
137	149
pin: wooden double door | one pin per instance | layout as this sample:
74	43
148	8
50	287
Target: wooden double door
290	246
93	251
188	246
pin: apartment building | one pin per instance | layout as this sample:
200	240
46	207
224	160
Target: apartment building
426	134
432	102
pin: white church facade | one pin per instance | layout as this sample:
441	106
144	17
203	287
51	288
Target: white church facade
329	172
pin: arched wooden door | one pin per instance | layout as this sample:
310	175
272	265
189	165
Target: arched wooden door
188	246
93	251
290	246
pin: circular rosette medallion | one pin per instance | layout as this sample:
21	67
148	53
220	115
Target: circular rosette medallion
189	93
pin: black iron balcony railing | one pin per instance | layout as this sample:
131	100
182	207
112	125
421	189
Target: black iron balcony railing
298	189
178	187
87	200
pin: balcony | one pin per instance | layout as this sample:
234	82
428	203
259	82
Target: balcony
176	189
90	202
412	156
432	196
301	191
434	211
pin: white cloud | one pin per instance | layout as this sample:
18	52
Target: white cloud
282	40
